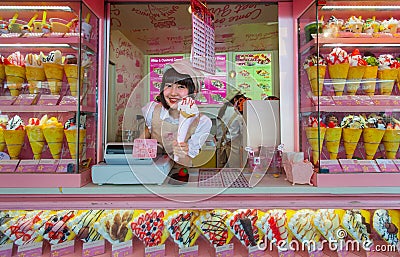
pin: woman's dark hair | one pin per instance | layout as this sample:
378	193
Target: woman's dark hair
172	76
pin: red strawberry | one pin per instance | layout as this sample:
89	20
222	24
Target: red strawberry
331	124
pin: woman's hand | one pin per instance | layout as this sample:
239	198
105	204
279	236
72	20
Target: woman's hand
181	151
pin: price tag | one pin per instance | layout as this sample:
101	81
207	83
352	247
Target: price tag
224	251
122	249
30	250
93	248
155	251
255	251
62	249
6	250
189	251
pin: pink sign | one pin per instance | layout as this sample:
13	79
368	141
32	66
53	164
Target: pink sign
288	253
6	250
144	148
352	100
189	251
63	165
350	165
62	249
224	251
47	165
387	165
27	166
8	165
369	166
122	249
381	100
155	251
331	165
323	100
30	250
7	100
255	251
397	163
25	99
93	248
48	100
156	69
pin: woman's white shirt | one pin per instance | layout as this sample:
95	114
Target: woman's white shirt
198	138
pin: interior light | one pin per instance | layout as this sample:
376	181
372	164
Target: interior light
35	8
34	45
354	7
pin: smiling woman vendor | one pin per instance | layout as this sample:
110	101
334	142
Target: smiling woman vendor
180	80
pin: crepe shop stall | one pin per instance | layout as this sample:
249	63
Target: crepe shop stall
114	194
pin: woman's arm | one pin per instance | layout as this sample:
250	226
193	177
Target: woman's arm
181	151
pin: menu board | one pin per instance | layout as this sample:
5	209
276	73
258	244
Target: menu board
203	37
156	67
213	90
254	74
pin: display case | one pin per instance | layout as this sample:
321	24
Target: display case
349	91
48	95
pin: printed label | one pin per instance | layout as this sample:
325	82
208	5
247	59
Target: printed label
189	251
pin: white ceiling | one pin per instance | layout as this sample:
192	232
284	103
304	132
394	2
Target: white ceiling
166	28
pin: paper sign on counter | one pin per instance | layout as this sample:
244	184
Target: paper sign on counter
350	165
30	250
255	251
155	251
369	166
93	248
224	251
189	251
122	249
62	249
387	165
6	250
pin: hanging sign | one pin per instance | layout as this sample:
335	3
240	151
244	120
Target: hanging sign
203	37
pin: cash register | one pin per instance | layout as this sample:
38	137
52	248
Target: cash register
120	166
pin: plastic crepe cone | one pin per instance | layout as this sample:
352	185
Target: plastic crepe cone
2	141
372	138
14	141
370	75
15	76
2	72
34	75
72	139
338	74
398	78
354	77
391	142
312	77
71	71
387	86
315	141
54	137
350	139
54	74
332	141
36	140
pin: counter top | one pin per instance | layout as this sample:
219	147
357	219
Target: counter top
269	192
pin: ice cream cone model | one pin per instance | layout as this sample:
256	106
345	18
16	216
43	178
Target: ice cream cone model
338	68
34	72
2	140
15	72
35	135
389	76
356	72
315	140
54	71
370	75
386	224
332	141
315	67
14	136
351	136
391	139
372	138
315	134
2	69
352	128
188	112
71	71
53	132
387	73
72	140
3	126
